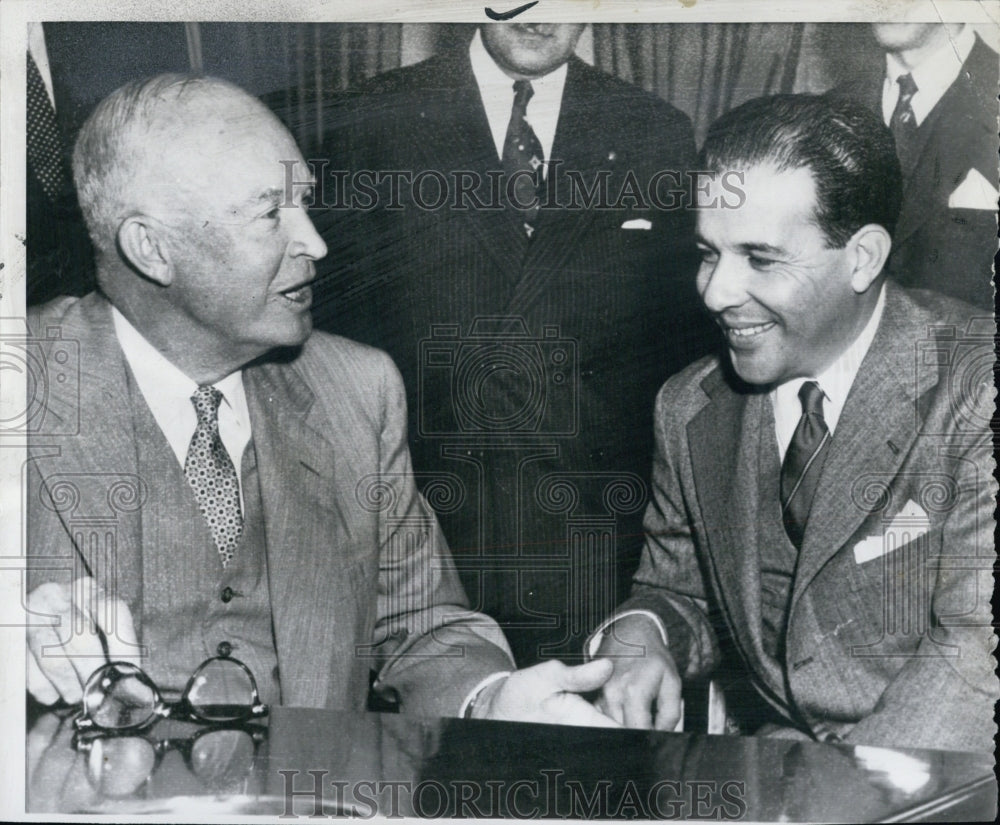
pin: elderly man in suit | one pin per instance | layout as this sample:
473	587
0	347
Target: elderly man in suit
219	482
937	91
823	498
533	312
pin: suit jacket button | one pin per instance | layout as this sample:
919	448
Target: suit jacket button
227	594
224	649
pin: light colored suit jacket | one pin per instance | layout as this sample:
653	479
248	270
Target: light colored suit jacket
889	636
360	576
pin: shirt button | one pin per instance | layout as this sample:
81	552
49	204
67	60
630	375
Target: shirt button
227	594
224	649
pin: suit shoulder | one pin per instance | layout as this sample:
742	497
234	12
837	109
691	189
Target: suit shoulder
618	93
933	309
433	73
686	392
983	67
330	353
51	312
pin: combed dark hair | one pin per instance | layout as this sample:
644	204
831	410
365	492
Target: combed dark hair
849	151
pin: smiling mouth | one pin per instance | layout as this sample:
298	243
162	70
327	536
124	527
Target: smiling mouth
746	333
301	294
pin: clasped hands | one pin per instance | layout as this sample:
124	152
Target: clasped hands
634	673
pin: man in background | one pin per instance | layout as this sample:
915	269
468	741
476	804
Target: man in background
937	92
823	498
60	259
532	323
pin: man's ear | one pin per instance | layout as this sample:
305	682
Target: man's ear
143	243
870	246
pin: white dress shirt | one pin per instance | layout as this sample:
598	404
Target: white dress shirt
497	92
168	393
933	76
835	382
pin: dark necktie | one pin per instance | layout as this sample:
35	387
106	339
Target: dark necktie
803	463
44	148
523	157
903	123
212	475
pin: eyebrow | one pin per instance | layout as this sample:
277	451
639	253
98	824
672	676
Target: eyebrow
746	247
277	194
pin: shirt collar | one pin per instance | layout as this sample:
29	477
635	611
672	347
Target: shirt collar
497	91
934	75
167	388
835	381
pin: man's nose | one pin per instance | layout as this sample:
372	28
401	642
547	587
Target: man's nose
721	284
305	239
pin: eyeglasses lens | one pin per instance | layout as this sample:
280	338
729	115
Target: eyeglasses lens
117	766
223	757
120	698
221	691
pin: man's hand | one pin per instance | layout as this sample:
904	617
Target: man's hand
644	690
546	693
60	660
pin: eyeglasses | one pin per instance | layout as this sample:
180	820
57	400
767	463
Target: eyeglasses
119	697
219	757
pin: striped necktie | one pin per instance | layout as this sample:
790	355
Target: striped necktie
903	124
803	462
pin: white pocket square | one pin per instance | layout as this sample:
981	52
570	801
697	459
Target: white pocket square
974	192
637	223
907	525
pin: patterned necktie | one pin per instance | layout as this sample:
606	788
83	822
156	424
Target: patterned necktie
904	123
212	475
44	147
523	157
803	463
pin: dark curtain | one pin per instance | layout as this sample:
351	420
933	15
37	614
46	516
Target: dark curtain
299	69
704	69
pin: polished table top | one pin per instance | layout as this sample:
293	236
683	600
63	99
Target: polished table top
309	762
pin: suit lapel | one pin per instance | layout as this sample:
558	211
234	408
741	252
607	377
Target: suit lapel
98	462
456	134
580	145
875	432
306	532
724	441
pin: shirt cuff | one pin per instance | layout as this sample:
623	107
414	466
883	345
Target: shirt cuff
473	694
595	638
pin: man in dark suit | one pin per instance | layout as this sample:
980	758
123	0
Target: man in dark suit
210	479
937	90
59	255
529	270
823	498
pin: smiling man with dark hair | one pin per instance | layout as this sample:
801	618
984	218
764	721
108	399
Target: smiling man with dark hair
823	498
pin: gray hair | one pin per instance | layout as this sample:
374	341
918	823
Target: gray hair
119	138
